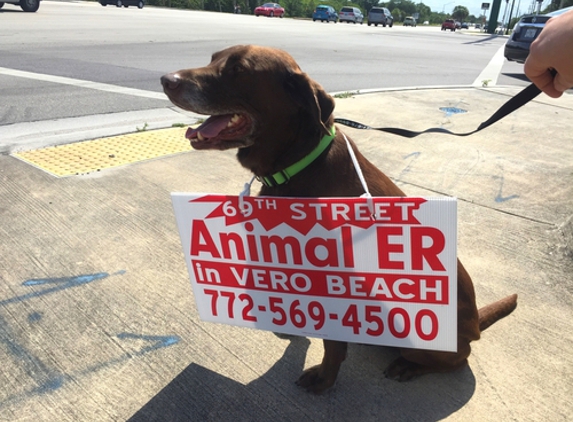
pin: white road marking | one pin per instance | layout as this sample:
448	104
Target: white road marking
115	89
490	73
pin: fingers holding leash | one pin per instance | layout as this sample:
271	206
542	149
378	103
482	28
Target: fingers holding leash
550	62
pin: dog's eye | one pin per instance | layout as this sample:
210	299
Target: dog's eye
238	68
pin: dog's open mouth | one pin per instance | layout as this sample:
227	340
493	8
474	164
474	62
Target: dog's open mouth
221	132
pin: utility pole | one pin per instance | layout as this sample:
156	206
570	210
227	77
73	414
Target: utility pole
493	15
510	15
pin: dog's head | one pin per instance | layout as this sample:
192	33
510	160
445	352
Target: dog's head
258	100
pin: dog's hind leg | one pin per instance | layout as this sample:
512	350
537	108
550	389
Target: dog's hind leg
414	362
320	377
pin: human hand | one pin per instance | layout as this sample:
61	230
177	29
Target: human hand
552	50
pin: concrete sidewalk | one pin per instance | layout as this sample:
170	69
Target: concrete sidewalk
98	321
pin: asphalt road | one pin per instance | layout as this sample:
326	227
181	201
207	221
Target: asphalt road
74	59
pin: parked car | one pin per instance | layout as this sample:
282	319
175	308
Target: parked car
25	5
124	3
351	14
409	21
270	10
325	13
380	15
465	25
449	24
525	32
500	30
477	26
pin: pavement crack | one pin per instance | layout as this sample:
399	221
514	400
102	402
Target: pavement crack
470	201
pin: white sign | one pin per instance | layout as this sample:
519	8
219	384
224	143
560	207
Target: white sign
379	270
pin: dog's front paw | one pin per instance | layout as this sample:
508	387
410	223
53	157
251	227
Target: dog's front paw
314	381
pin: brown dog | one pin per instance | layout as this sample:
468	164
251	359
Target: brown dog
264	105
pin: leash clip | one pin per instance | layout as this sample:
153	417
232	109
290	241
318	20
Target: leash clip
243	206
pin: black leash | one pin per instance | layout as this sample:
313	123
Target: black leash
522	98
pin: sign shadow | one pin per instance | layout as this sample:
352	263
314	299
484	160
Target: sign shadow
361	394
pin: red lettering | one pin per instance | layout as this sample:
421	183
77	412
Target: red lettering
385	248
428	252
280	248
330	245
201	240
226	239
335	284
348	251
393	326
433	333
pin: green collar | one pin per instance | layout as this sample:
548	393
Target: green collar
283	176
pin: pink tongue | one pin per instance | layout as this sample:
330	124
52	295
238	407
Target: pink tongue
211	127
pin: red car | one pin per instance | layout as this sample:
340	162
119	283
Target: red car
449	24
270	10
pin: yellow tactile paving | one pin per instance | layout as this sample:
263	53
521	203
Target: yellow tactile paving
98	154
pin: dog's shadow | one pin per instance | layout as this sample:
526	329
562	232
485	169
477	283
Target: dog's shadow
361	393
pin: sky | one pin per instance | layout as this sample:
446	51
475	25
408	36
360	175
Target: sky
474	6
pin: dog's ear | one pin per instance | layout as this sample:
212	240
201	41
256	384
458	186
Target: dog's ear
312	97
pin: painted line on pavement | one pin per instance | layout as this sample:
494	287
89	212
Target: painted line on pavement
115	89
491	72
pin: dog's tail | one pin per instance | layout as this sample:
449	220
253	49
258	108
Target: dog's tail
490	314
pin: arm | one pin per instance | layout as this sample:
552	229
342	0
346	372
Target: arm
553	49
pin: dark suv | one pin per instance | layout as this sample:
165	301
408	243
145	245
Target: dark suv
380	15
26	5
124	3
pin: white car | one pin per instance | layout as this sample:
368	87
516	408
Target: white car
351	14
26	5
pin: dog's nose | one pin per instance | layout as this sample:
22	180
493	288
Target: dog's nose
170	81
